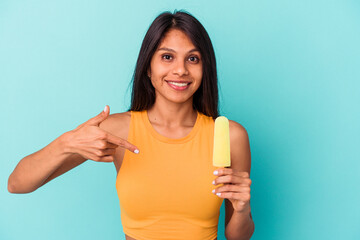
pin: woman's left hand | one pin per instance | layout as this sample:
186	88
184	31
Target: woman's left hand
236	187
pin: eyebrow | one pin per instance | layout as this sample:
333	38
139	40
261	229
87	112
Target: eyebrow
172	50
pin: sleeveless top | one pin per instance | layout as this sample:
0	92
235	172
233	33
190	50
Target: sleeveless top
165	191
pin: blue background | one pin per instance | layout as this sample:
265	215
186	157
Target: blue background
288	71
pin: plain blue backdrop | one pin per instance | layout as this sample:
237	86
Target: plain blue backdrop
288	72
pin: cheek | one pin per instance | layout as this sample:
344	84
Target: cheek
198	73
158	70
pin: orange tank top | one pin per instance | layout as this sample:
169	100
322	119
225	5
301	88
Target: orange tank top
165	191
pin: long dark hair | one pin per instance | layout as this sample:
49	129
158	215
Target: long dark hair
206	98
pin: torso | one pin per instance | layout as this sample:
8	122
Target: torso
118	124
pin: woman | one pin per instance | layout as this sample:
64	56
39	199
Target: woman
164	188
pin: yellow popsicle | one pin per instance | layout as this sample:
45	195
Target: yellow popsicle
221	153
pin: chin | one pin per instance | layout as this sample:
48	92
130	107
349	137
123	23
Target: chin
183	100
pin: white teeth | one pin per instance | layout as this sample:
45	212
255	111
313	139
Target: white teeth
179	84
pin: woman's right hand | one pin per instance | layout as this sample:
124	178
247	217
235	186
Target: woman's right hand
92	142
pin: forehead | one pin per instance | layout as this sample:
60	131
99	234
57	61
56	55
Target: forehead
177	40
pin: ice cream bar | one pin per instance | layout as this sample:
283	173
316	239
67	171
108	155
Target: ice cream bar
221	153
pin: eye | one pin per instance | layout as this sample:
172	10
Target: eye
194	59
166	57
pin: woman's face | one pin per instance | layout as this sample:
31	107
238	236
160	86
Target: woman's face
176	68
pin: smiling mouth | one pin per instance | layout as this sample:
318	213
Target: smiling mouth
178	85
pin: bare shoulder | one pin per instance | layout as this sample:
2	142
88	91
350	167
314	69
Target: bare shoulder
238	133
240	147
117	124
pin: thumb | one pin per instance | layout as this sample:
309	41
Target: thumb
100	117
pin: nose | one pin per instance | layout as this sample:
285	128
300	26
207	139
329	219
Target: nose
180	68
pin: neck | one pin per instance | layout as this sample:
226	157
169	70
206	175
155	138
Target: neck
172	114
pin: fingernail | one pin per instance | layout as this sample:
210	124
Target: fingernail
105	109
213	182
213	191
218	194
136	151
216	172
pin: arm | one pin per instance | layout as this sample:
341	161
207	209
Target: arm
71	149
38	168
239	224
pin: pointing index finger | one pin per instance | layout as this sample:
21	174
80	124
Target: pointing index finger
121	142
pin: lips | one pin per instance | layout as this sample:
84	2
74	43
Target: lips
179	85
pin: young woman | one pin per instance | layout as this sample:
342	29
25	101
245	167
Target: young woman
167	186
